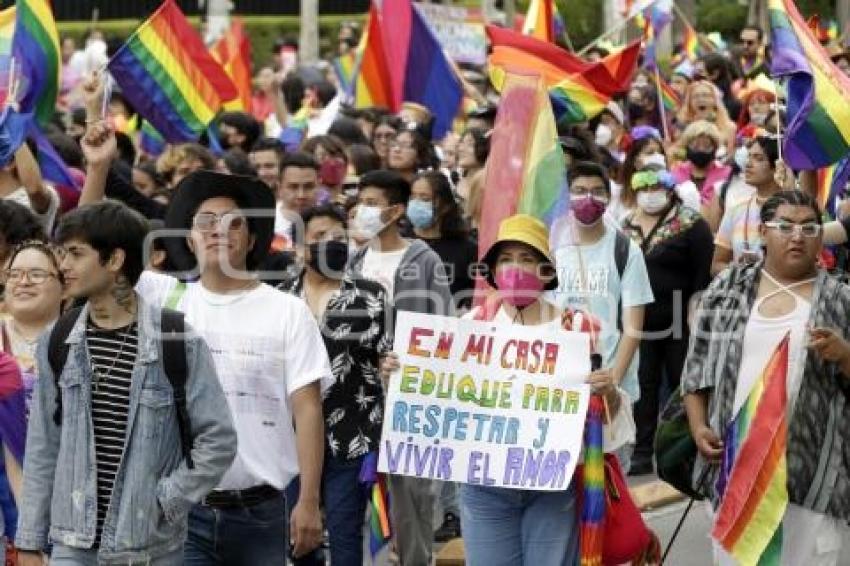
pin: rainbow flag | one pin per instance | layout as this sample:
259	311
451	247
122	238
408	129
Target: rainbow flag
540	20
420	70
656	18
669	97
583	95
7	32
831	184
818	108
519	53
35	47
592	529
344	70
151	141
380	530
752	480
690	43
372	82
233	53
525	140
167	74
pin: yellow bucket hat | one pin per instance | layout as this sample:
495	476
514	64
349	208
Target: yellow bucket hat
524	229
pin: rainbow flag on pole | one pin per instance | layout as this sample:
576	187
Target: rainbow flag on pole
372	82
818	131
380	529
690	43
669	97
35	47
831	183
233	53
753	475
167	74
519	53
584	95
540	20
532	179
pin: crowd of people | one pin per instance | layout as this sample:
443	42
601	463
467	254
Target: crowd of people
206	339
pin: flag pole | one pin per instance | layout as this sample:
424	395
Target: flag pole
619	27
661	108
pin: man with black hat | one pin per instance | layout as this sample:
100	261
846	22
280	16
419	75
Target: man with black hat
271	361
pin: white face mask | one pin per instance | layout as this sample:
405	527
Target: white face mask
652	202
603	135
656	159
741	156
758	118
367	221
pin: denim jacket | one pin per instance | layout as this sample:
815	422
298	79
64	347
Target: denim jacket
154	488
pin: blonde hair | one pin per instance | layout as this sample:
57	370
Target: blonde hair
701	128
688	114
476	196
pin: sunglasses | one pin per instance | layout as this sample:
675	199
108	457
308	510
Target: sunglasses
208	221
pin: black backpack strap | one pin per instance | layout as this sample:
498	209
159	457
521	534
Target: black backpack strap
621	258
174	362
57	353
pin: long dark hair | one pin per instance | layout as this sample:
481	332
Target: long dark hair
452	224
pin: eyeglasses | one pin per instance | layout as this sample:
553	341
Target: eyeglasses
598	191
208	221
35	276
399	145
787	229
647	179
385	136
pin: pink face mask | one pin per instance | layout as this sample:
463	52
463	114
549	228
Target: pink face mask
518	287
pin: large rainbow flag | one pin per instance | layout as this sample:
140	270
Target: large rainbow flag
35	47
519	53
540	20
582	96
167	74
372	82
532	177
752	480
420	70
233	53
818	131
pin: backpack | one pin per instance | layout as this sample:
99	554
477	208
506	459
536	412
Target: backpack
621	258
173	348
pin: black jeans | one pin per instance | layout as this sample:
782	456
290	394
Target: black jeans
659	359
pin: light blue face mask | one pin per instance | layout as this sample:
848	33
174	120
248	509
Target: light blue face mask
367	221
420	213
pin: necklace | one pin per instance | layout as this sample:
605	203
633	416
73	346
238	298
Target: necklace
97	371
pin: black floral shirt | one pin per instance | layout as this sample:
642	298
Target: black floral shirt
354	327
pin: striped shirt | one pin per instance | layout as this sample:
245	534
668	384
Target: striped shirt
112	354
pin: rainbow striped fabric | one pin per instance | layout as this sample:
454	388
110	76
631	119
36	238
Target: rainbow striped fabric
818	131
592	528
656	17
380	530
540	20
519	53
582	96
344	67
167	74
669	97
150	141
690	43
35	47
752	480
233	53
7	31
831	183
533	178
372	83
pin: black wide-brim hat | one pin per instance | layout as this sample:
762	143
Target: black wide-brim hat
250	194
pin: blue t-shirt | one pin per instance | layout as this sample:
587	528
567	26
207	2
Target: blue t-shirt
599	289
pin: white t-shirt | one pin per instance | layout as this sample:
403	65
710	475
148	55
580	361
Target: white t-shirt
265	345
381	267
48	217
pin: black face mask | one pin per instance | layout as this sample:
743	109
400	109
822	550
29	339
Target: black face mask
222	141
636	111
700	158
329	258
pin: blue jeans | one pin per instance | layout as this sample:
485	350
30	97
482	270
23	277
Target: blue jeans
504	527
68	556
240	536
344	499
